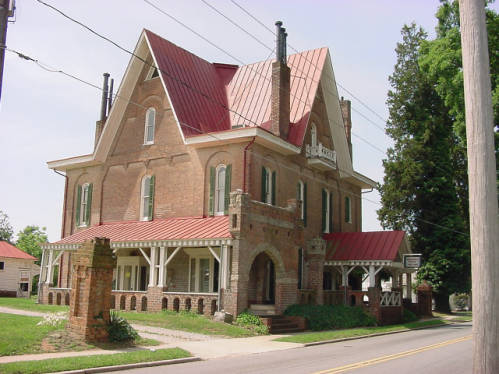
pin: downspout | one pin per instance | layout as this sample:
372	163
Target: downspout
244	162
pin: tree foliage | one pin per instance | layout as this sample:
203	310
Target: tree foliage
419	194
6	230
29	240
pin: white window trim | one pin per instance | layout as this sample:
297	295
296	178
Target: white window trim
151	72
146	122
302	197
198	258
219	213
143	192
268	184
327	229
83	204
313	135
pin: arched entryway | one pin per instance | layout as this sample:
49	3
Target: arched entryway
262	281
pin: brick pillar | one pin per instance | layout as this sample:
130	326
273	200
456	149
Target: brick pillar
374	295
316	252
424	292
92	278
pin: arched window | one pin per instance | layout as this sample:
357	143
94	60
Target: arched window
83	204
149	126
220	190
313	133
220	181
147	198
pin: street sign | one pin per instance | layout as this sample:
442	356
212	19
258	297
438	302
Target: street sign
412	261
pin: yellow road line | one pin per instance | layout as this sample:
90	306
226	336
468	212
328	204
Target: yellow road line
378	360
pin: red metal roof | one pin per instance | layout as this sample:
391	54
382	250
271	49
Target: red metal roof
162	229
376	245
215	97
8	250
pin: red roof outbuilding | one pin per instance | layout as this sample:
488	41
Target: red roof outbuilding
8	250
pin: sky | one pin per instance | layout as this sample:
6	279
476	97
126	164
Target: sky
47	116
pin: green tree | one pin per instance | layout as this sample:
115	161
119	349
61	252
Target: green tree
6	230
419	193
29	241
441	60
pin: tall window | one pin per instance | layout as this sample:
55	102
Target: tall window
83	204
147	198
313	135
149	126
348	210
220	181
327	211
301	195
300	268
268	186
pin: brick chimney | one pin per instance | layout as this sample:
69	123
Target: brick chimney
346	111
106	102
280	86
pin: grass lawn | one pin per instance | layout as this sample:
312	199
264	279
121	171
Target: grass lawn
309	337
84	362
30	304
20	334
455	316
186	321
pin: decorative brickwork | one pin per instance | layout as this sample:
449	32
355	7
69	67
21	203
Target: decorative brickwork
91	290
315	253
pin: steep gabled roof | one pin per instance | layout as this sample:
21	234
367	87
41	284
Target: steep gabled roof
8	250
210	98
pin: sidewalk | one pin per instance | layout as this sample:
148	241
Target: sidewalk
199	345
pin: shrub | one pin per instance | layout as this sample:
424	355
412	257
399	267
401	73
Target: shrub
251	322
119	329
327	317
408	316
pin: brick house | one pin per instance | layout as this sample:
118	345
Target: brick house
17	269
215	183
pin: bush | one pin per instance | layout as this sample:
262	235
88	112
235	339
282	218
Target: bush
408	316
251	322
327	317
119	329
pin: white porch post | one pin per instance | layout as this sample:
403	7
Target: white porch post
395	279
152	267
344	276
372	276
161	280
49	266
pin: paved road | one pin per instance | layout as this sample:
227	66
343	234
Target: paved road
439	350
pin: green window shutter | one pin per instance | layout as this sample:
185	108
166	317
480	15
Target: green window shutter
264	184
151	198
324	209
347	209
331	212
304	206
273	187
88	208
228	178
211	207
78	205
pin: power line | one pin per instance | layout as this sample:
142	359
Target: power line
72	76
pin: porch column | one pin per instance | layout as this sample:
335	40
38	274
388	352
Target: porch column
408	277
161	280
48	280
152	267
344	276
372	276
395	279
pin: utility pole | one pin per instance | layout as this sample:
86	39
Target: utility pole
484	220
6	11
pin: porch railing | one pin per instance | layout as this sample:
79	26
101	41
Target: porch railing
392	298
320	151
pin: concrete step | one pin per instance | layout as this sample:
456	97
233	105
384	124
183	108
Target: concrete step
263	310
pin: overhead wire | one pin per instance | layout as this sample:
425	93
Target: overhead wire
24	56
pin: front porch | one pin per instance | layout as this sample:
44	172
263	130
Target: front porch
153	275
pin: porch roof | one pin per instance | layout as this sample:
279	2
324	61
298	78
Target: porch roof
185	231
381	247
